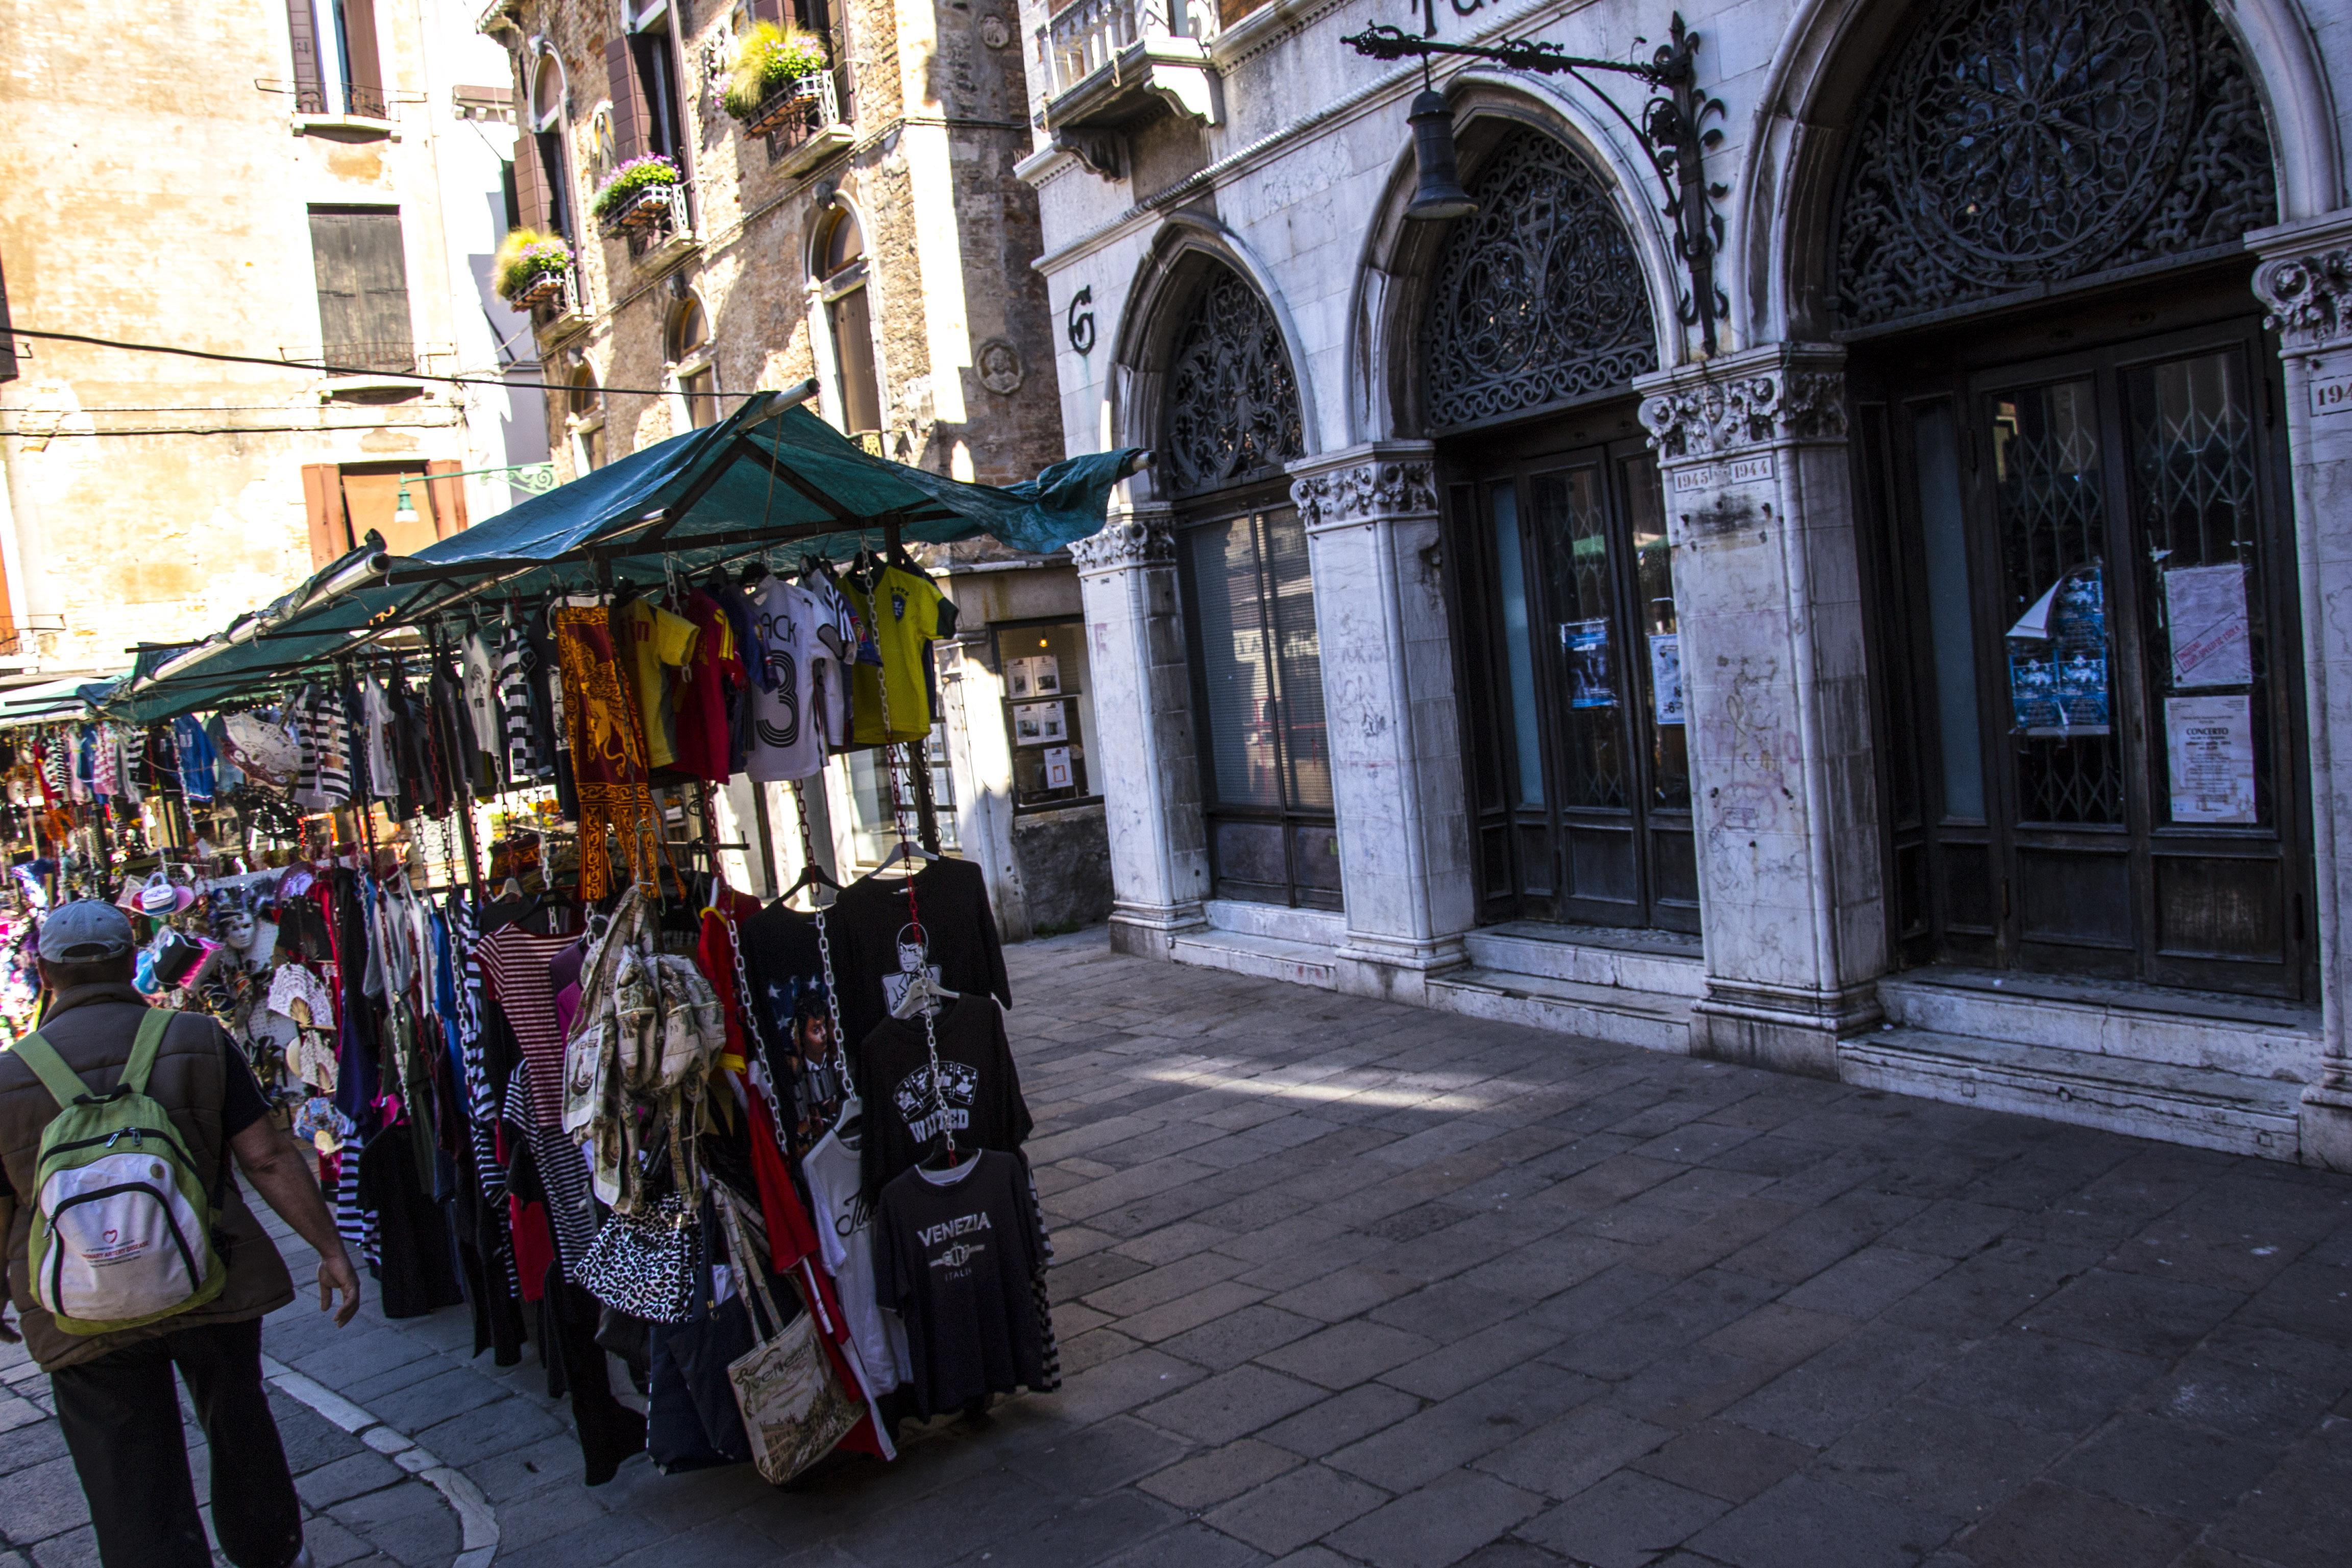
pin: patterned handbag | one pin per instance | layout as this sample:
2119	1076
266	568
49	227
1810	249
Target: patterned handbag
644	1264
795	1408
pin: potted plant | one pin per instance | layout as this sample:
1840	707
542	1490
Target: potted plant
636	194
532	267
770	78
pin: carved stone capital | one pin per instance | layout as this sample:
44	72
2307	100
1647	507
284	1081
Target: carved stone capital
1365	491
1713	416
2309	297
1137	539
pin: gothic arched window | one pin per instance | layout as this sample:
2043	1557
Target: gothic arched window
1538	297
1231	400
2012	143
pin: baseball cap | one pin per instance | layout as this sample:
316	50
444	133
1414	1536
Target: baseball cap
85	930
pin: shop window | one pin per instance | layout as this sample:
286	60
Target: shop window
362	279
872	828
1049	712
848	317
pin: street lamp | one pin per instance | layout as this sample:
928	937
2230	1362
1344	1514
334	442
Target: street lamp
1672	132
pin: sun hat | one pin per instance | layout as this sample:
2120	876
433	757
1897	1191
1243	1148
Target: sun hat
162	896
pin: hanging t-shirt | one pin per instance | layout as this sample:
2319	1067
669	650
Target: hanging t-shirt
866	923
481	672
799	647
705	695
791	1020
977	1104
955	1252
376	734
845	1226
903	612
654	640
836	628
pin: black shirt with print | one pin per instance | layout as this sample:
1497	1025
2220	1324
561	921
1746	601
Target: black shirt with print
904	1118
868	919
953	1255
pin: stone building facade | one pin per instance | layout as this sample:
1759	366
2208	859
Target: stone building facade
879	240
248	179
1908	656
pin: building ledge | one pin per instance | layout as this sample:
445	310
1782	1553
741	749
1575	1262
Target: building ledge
814	150
1147	78
346	127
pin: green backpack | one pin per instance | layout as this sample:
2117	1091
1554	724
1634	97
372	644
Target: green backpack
122	1222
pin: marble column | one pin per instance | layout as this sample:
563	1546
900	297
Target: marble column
1767	590
2305	278
1373	544
1143	752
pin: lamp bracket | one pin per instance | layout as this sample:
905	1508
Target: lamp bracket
1673	133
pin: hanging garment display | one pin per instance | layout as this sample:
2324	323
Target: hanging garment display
608	754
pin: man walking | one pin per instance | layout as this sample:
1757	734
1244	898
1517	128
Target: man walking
115	1399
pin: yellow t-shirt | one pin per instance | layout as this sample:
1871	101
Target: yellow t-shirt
653	638
904	612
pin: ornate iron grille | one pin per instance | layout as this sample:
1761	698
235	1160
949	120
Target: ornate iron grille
1539	299
2015	142
1232	403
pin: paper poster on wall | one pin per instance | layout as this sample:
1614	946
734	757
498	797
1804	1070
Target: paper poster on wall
2205	608
2210	741
1666	676
1057	767
1039	724
1585	646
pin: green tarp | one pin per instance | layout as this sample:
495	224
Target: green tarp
763	478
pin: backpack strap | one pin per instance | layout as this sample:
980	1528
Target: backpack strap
143	1048
63	1083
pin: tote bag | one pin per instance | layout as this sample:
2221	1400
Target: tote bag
794	1409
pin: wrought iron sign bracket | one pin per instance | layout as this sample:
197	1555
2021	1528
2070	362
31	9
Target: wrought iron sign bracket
1673	130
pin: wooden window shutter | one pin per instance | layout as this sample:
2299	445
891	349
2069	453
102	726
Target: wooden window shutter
530	182
628	100
768	11
448	496
309	82
362	63
322	498
363	278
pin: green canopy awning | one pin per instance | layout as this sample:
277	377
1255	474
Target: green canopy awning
772	474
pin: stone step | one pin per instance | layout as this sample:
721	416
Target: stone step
1268	957
1634	960
1327	927
2198	1106
2247	1036
1656	1021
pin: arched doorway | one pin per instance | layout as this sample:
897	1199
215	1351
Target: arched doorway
1230	419
2072	465
1537	320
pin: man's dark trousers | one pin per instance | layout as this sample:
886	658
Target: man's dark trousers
122	1419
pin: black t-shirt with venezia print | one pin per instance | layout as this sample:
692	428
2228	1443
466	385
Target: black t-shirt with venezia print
954	1253
903	1119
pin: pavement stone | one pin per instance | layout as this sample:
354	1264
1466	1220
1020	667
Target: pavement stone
1345	1282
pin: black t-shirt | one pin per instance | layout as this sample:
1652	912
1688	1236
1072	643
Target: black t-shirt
985	1109
241	1104
954	1257
952	896
786	969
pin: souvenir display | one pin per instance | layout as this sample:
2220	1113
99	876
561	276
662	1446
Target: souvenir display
568	1079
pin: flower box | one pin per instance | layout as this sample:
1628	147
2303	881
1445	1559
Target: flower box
796	101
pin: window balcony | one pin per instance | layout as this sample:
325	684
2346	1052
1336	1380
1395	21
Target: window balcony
1114	65
803	122
555	301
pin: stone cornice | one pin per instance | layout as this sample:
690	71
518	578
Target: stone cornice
1765	397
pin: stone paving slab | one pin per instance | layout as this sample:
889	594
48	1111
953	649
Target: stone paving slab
1344	1282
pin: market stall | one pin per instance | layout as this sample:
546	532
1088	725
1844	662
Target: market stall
438	843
